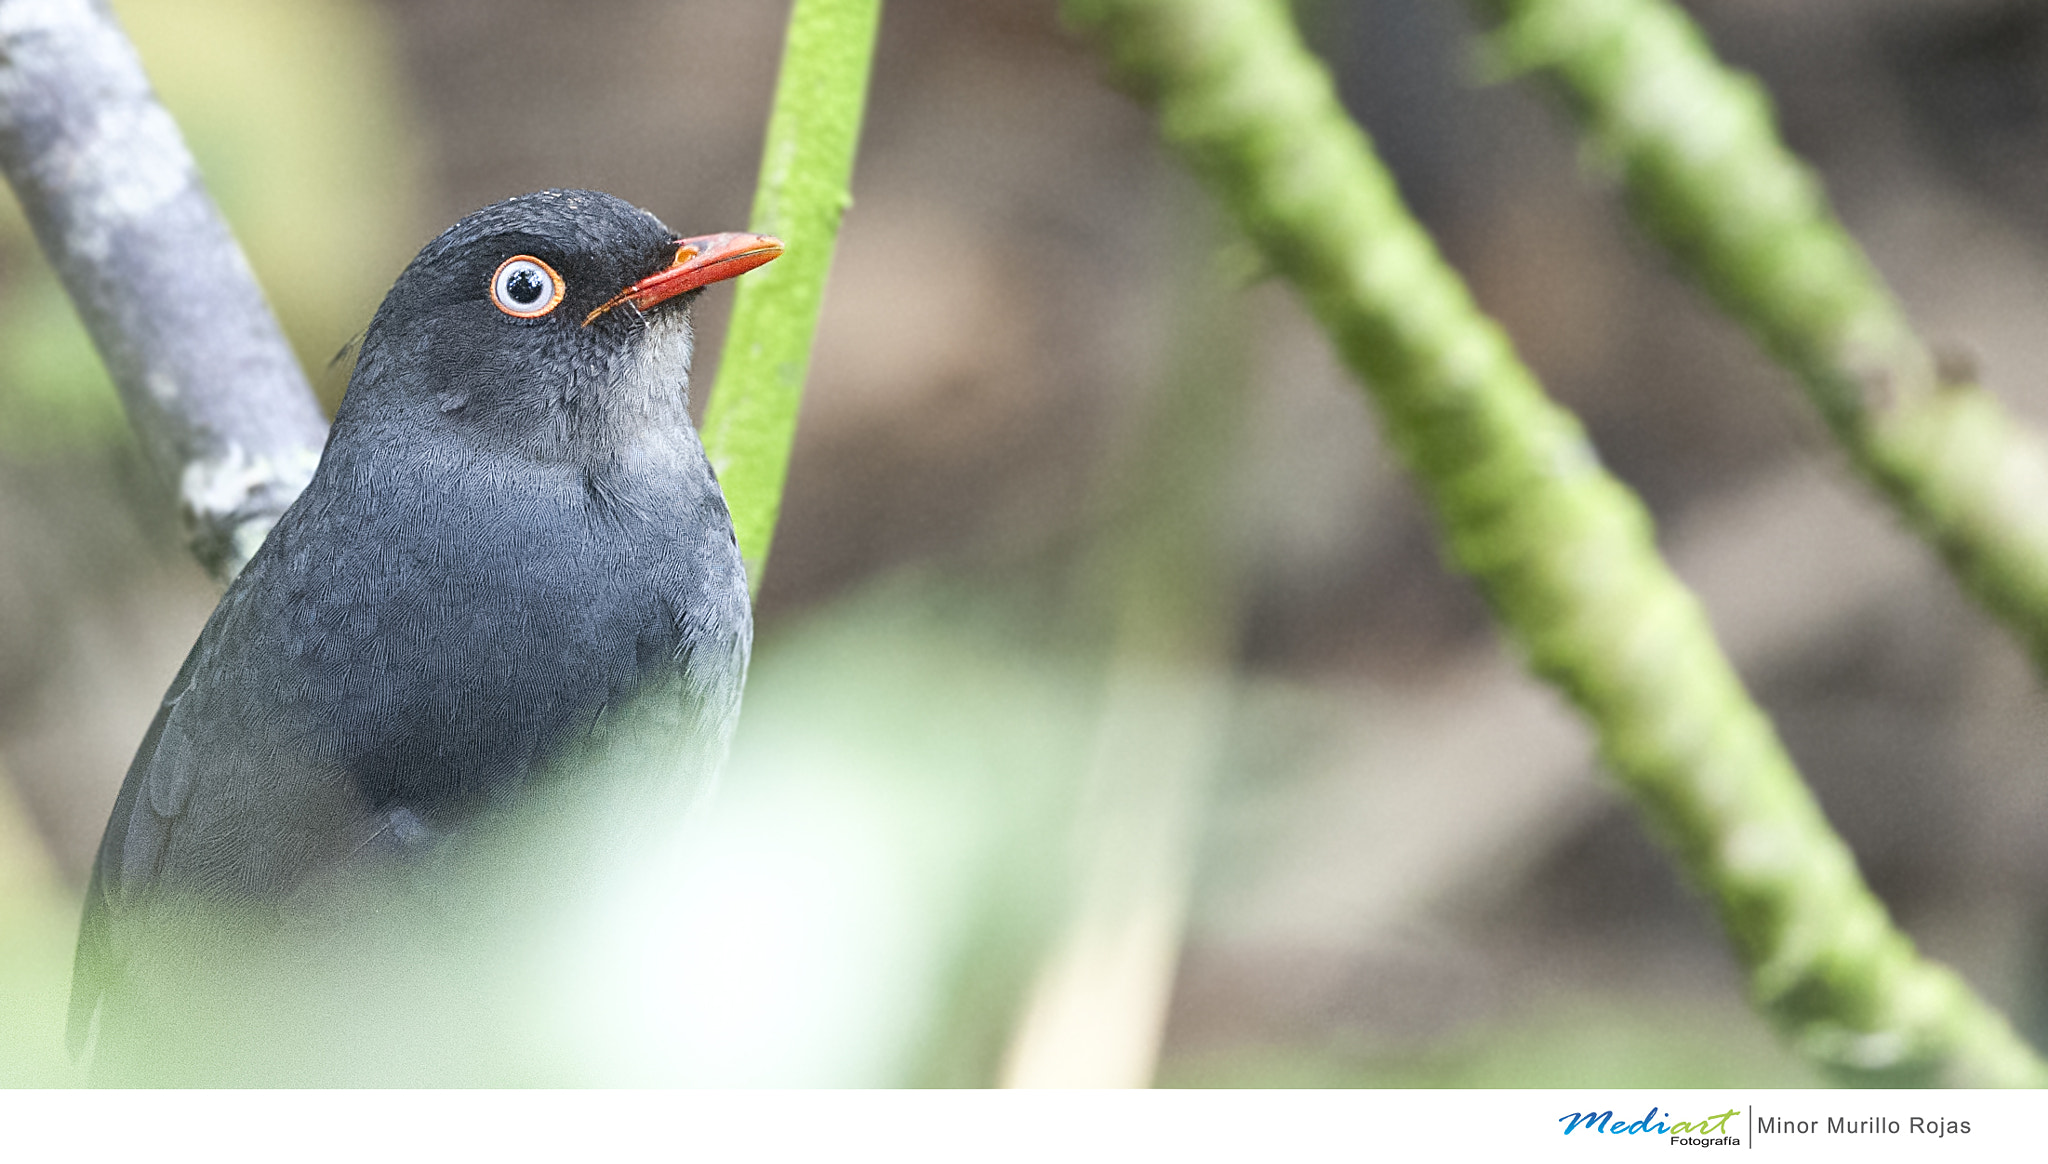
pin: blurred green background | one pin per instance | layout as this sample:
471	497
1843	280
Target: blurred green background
1113	719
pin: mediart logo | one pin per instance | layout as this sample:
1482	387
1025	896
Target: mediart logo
1709	1132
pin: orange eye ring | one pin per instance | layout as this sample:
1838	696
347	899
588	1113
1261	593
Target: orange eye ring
525	287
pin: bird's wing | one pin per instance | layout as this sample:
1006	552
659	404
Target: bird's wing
712	620
132	849
714	653
218	809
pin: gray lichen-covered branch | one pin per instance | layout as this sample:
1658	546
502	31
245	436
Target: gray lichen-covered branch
1564	552
1699	155
211	386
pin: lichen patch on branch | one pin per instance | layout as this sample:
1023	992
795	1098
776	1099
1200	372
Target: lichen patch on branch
230	501
130	164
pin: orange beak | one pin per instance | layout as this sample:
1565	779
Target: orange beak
699	261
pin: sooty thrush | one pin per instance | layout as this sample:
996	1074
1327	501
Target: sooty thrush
513	533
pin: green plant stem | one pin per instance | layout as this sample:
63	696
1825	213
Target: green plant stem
806	171
1564	553
1699	155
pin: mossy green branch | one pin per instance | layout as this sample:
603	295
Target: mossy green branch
806	172
1564	553
1699	155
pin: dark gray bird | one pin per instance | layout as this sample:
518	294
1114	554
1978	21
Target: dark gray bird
512	539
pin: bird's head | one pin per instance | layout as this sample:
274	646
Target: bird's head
556	323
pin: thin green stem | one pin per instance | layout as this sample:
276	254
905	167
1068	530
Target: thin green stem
1564	552
1698	152
806	172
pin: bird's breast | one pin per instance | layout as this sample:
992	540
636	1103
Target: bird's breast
454	634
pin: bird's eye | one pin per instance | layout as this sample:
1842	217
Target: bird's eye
526	287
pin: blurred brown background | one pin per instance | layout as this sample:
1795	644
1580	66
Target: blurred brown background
1408	869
